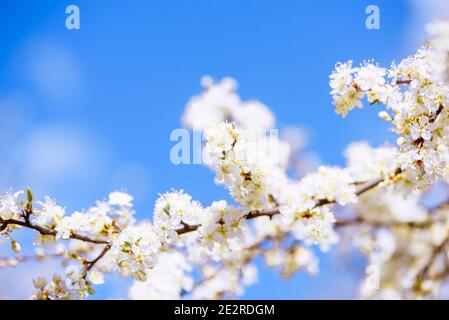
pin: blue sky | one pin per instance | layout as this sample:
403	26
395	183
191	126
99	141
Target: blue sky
83	112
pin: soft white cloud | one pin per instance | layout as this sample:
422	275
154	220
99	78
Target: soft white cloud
55	153
13	114
16	282
54	71
134	178
56	158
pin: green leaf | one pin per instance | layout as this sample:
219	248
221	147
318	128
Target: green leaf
29	195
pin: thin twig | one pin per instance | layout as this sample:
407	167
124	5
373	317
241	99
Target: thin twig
90	264
364	187
436	251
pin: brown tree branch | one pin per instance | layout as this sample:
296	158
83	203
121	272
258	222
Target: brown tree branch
90	264
47	231
424	272
363	187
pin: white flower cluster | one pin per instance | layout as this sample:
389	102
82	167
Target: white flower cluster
10	207
299	205
172	210
404	249
225	226
417	102
220	102
292	260
439	41
240	165
169	278
231	280
393	204
135	250
72	287
366	163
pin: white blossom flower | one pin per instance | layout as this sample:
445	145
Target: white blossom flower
167	280
95	276
50	213
172	210
317	229
135	250
74	277
10	207
370	77
219	102
118	198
